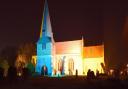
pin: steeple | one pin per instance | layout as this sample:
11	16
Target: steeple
45	43
46	30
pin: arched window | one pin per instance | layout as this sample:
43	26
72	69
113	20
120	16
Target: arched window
70	66
59	65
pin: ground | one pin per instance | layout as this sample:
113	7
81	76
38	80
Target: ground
64	83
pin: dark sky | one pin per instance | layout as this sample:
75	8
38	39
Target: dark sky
98	21
20	20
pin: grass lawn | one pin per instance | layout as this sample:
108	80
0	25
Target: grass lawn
63	83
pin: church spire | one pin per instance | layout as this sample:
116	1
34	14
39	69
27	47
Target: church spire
46	29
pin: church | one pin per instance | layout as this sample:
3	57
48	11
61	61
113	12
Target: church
67	57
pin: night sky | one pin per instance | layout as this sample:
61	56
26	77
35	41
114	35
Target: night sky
97	21
70	19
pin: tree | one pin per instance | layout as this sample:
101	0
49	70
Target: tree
9	54
25	52
31	67
4	65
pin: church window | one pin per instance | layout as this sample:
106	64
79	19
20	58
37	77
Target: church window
70	66
49	38
43	46
43	30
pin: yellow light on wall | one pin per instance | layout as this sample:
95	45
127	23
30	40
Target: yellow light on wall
93	64
34	59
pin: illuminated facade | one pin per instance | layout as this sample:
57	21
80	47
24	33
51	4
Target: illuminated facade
65	58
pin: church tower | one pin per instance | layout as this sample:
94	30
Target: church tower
45	44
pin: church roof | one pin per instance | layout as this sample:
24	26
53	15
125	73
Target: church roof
68	47
93	51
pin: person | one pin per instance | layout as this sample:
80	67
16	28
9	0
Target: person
90	74
44	71
76	73
1	73
97	73
12	73
26	73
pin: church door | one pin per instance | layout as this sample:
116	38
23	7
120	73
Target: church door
44	70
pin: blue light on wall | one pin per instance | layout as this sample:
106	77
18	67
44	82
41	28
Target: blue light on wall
44	46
